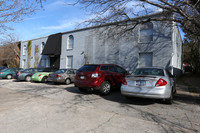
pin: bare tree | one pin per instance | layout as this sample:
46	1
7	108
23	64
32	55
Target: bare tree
10	51
185	12
15	11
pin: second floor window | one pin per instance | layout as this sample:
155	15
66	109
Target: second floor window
70	42
24	50
146	32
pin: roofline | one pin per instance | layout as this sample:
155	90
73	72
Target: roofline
103	25
112	23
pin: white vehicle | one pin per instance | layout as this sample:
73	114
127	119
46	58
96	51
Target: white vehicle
150	82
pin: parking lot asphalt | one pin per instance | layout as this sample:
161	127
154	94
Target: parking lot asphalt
47	108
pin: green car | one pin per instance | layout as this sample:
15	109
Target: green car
9	73
42	74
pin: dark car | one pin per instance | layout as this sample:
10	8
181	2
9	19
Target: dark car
26	74
101	77
9	73
2	67
62	76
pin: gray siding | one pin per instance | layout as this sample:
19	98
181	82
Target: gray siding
34	59
124	51
92	48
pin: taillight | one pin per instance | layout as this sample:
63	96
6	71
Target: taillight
161	82
1	72
95	75
124	82
58	76
39	75
19	72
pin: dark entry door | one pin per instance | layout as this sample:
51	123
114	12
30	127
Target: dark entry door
55	62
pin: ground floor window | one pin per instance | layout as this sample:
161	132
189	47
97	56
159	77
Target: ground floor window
145	59
23	63
43	62
69	63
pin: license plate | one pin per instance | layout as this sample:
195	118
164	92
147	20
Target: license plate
141	83
82	77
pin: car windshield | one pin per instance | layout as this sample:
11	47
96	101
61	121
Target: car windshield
88	68
148	71
26	70
47	70
44	70
61	71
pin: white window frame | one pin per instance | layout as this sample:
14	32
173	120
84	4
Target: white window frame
70	44
147	53
67	62
24	50
139	33
23	63
42	47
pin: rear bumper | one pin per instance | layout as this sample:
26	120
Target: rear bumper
95	84
39	79
59	80
2	76
154	93
20	77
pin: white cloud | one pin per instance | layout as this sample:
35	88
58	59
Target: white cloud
64	24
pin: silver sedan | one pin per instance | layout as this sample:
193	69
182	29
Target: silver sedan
150	82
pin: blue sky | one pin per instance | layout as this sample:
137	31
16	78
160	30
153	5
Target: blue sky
56	16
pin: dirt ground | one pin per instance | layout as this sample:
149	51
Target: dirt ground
189	87
47	108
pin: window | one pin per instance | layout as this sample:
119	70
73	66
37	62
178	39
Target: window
146	32
104	68
61	71
43	62
145	59
23	63
24	50
149	71
120	70
70	72
42	47
112	69
69	61
70	43
88	68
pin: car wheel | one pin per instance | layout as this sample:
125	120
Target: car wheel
28	78
82	89
67	81
105	88
9	76
44	79
170	99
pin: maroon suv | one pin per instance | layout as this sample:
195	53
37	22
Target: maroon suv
100	77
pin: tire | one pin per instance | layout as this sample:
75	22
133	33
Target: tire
170	99
9	76
67	81
105	88
44	79
28	78
82	90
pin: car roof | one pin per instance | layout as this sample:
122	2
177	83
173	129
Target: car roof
156	67
100	64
